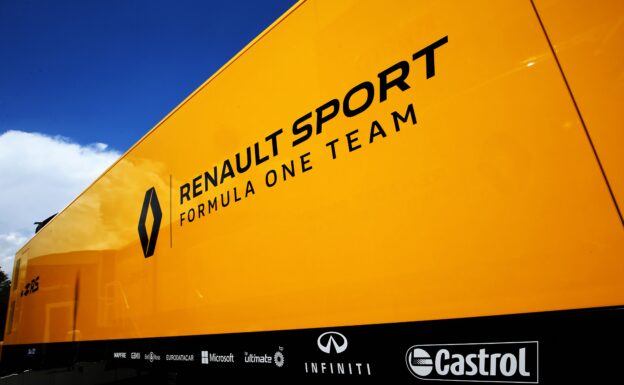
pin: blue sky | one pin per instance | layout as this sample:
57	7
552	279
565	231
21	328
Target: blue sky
107	71
81	81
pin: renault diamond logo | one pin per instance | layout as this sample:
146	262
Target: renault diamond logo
328	340
150	202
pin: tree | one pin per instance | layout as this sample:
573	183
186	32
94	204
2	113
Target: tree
5	290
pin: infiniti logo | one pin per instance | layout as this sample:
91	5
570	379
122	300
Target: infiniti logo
328	340
334	342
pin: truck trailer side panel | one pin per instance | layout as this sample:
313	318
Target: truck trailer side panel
412	176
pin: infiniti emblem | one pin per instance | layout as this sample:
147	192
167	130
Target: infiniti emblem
329	339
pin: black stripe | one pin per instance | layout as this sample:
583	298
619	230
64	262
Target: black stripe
560	347
578	111
170	211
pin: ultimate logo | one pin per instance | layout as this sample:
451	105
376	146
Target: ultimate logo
149	242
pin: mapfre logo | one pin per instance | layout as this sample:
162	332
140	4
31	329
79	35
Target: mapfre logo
150	205
512	362
332	341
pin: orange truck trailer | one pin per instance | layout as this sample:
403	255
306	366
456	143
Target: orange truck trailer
369	192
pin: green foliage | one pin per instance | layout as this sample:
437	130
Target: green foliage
5	290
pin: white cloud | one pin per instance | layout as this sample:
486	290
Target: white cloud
9	243
39	176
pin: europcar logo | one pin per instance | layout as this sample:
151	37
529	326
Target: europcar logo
148	242
513	362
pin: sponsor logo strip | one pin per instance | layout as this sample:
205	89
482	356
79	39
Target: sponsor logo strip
545	348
